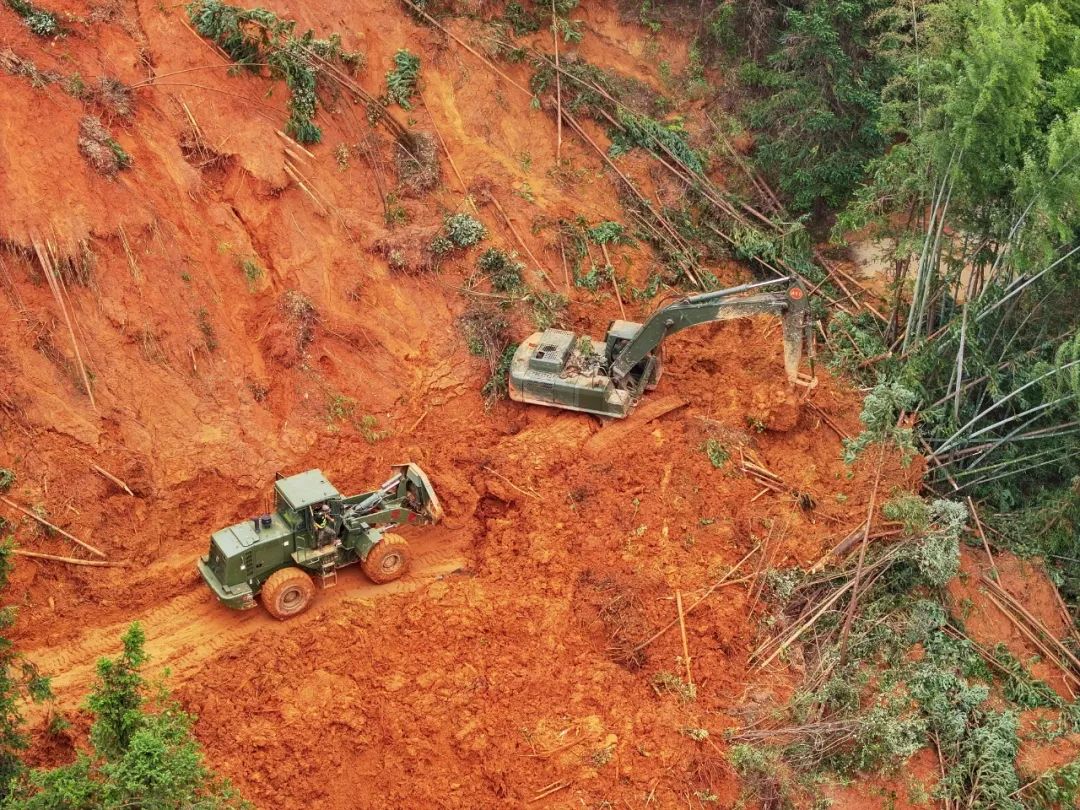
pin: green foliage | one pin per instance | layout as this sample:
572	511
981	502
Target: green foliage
1057	787
520	20
486	331
667	140
670	683
123	159
38	20
254	37
502	269
369	429
19	680
496	386
142	752
983	185
117	698
937	551
880	413
251	269
7	479
591	280
609	233
816	91
763	774
463	230
401	81
854	341
979	744
718	454
548	308
1021	688
910	510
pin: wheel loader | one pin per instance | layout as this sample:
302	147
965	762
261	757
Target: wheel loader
562	370
311	533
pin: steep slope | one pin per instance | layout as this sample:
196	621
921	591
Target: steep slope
227	298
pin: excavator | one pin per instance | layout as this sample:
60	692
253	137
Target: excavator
607	378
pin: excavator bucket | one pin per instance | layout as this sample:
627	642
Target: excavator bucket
419	492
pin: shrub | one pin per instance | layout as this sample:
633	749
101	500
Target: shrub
608	233
38	20
521	21
142	752
19	679
464	230
502	268
880	413
716	451
255	37
401	81
661	139
487	335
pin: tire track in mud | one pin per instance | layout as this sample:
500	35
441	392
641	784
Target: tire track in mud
193	627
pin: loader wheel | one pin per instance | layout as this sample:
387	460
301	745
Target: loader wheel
388	559
287	592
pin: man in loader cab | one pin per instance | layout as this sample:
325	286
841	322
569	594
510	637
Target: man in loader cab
324	525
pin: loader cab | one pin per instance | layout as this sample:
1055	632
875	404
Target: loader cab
297	495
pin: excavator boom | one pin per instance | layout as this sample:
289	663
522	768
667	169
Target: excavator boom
607	378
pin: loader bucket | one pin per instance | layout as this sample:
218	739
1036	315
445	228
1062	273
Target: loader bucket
419	487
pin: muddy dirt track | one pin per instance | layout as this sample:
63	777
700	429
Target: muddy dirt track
505	664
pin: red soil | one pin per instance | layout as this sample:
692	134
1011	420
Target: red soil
497	667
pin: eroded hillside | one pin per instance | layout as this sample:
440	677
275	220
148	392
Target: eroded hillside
244	305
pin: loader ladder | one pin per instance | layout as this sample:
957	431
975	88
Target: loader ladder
328	573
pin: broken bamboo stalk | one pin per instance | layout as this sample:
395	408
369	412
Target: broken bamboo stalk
298	179
554	787
828	420
54	284
1034	622
790	637
558	85
37	555
854	601
133	265
841	549
614	281
520	241
56	529
982	536
725	580
1031	636
565	266
112	478
682	634
1069	623
530	493
294	144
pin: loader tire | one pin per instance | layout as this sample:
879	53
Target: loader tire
287	593
387	560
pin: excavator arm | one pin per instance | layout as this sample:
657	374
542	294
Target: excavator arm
737	302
